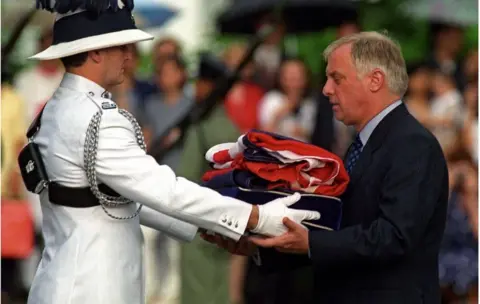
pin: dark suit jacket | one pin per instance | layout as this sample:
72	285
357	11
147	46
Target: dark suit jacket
393	222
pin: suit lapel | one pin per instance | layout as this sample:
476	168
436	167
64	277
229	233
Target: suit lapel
376	139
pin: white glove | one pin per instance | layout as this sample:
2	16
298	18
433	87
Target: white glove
271	214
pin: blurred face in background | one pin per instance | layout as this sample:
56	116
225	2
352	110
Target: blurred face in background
347	91
171	75
165	49
293	77
450	40
347	29
419	81
276	37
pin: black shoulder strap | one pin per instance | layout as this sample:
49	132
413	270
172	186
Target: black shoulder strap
35	125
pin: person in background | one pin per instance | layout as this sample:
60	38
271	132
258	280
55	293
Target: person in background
205	268
418	93
470	125
447	43
458	259
242	101
348	27
167	107
14	127
446	112
37	84
289	109
163	110
270	54
165	48
241	105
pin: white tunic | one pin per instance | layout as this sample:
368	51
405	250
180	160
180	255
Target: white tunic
89	257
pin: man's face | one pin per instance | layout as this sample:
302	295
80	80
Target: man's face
347	92
115	61
451	39
131	64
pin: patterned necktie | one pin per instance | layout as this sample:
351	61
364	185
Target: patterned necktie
353	154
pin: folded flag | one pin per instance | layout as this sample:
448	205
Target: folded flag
284	162
262	166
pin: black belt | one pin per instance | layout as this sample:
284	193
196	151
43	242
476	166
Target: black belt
76	197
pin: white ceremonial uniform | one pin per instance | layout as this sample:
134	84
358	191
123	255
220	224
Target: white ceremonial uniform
90	258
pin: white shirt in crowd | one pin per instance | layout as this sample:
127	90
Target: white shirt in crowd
36	87
448	105
273	101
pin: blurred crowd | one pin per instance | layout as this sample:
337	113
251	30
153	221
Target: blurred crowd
275	93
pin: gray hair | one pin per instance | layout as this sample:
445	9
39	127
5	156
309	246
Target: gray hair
372	50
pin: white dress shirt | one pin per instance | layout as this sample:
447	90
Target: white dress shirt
90	257
367	131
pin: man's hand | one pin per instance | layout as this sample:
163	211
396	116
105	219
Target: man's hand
242	247
295	240
270	215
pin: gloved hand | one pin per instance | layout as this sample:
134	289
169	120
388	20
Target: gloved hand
271	215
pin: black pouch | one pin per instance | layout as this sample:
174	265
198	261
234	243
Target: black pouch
30	161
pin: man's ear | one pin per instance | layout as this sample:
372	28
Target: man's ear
377	79
96	56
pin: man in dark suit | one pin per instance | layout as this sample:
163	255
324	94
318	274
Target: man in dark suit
395	206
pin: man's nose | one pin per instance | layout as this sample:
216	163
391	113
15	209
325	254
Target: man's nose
327	88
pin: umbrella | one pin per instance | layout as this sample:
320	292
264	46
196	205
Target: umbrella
300	16
458	12
150	13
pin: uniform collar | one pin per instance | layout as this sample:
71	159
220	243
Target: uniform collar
81	84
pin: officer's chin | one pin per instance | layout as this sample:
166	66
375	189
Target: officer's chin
121	78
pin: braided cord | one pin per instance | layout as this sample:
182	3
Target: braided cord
90	159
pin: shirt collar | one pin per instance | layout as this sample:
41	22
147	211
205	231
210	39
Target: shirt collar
373	123
81	84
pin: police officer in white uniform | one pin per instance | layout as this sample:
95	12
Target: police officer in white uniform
90	148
